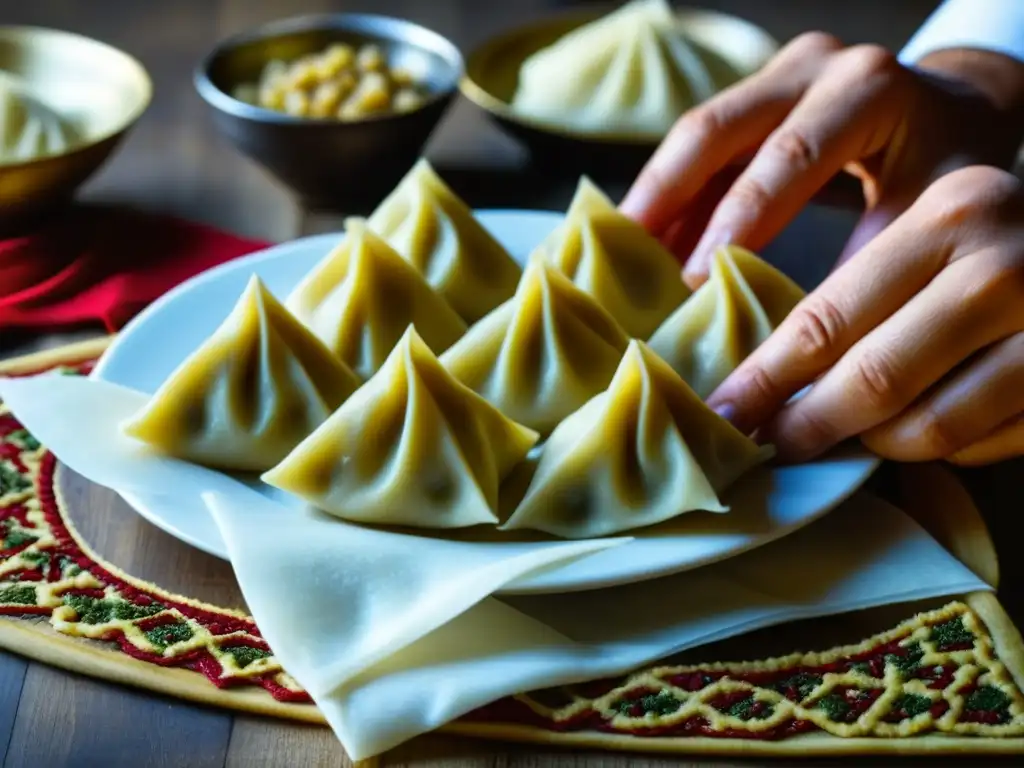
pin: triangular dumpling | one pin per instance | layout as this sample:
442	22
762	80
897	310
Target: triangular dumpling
542	354
426	222
742	302
644	451
411	447
259	385
616	261
360	299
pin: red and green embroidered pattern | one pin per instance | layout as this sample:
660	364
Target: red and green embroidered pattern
45	572
936	672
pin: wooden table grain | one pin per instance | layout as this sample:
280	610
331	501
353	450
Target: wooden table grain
173	162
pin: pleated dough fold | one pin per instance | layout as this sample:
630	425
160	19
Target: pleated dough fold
363	295
616	261
411	447
642	452
427	223
630	72
743	301
543	353
259	385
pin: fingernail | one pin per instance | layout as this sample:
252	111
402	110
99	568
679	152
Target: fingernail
696	269
726	410
636	201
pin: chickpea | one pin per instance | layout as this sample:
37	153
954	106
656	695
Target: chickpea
370	58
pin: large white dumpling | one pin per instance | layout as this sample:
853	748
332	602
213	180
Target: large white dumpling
632	71
644	451
28	128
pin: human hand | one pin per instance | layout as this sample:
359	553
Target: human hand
916	345
738	168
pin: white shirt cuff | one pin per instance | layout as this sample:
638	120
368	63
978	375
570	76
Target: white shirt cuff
989	25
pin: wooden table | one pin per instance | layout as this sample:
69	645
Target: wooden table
173	162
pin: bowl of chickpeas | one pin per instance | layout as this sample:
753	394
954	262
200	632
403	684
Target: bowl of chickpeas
337	107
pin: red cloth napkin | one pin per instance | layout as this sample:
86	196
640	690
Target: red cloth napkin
96	265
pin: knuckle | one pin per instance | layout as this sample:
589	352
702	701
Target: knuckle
815	42
795	150
876	383
871	61
699	125
818	327
971	193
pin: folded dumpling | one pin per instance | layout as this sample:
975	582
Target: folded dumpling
742	302
28	127
360	299
426	222
616	261
644	451
411	447
259	385
542	354
631	72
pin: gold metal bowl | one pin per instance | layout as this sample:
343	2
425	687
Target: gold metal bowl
492	75
345	165
98	90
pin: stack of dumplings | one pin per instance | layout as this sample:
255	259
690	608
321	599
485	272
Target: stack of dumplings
363	295
437	233
366	394
743	301
256	388
632	72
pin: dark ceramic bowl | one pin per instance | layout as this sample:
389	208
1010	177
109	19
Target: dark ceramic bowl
347	166
492	75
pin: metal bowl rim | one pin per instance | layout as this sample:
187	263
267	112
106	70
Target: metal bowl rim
228	104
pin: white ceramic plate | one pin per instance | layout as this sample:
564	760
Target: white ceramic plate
766	504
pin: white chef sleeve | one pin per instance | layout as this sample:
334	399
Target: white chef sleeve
990	25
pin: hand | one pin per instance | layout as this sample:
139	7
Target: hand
916	345
738	168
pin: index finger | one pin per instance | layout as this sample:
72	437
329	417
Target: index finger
709	137
851	302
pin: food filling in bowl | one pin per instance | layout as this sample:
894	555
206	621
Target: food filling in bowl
341	82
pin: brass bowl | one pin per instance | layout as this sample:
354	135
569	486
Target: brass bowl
329	163
100	92
492	75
